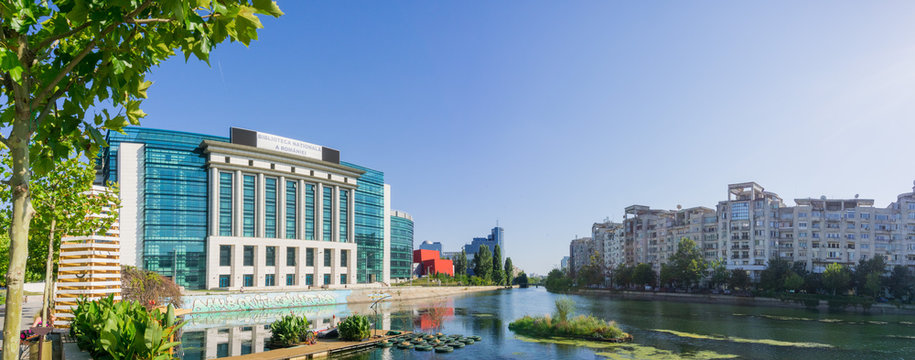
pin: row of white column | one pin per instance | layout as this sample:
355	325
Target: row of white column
260	205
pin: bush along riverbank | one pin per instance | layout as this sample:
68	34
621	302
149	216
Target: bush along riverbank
562	324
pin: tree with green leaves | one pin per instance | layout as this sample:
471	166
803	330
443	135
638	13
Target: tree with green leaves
497	275
836	278
739	279
460	264
509	269
689	267
901	284
643	274
72	68
482	263
793	281
667	277
64	204
772	278
591	273
622	275
863	278
557	281
719	274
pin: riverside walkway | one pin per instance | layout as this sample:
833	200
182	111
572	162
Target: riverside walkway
323	348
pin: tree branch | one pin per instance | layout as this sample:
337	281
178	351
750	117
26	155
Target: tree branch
149	21
42	96
52	39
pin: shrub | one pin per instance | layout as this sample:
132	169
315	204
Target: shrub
588	327
289	330
564	308
354	328
123	330
148	288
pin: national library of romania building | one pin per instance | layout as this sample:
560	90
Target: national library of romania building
253	210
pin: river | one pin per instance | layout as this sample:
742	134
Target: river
662	330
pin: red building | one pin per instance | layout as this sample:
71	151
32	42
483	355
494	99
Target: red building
430	263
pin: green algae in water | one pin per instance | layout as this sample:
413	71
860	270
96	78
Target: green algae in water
742	340
629	350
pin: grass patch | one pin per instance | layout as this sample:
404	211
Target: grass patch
580	327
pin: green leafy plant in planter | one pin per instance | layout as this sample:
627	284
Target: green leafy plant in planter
289	330
124	330
354	328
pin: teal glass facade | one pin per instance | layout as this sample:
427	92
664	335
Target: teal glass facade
344	205
270	207
175	210
401	247
249	201
369	225
327	214
309	212
225	204
291	202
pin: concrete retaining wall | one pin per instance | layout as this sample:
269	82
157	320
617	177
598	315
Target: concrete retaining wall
237	301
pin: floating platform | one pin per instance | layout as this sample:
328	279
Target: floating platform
324	348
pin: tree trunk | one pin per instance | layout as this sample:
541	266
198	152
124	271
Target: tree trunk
48	273
19	229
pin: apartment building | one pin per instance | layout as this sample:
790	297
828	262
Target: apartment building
580	251
653	234
609	237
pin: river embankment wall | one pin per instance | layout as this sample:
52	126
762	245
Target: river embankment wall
734	300
206	302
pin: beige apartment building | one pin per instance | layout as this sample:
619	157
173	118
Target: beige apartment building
652	235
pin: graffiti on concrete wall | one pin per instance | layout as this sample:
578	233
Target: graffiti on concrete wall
255	301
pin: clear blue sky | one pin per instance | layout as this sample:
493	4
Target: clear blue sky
548	116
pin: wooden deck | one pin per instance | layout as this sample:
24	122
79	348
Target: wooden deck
323	348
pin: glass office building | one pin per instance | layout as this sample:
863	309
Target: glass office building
401	244
274	200
369	212
174	210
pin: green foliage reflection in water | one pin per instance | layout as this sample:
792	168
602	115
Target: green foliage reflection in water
742	340
630	350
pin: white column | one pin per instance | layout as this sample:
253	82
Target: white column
259	223
351	218
351	271
214	202
335	234
300	211
131	174
260	265
237	274
319	266
281	207
319	213
238	203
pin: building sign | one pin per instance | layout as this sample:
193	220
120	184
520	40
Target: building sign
291	146
283	144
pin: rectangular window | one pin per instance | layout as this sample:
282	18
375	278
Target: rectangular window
248	255
248	206
327	256
290	256
225	204
327	222
249	280
343	257
309	212
270	207
309	280
225	255
343	279
269	280
224	281
326	279
309	257
291	204
290	279
271	255
344	205
740	211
